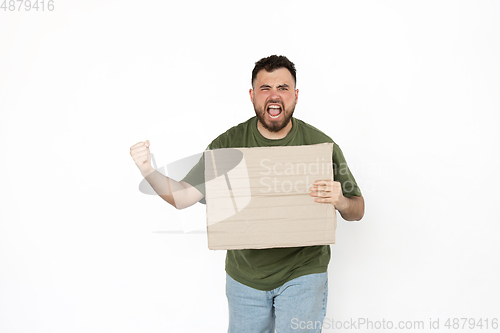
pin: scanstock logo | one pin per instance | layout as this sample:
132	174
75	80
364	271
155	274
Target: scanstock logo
226	179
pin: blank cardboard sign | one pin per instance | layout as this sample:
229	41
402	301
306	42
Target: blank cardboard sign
260	197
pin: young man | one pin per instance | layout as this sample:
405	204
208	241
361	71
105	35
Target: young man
277	288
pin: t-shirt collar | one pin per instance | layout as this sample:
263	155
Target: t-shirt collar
274	142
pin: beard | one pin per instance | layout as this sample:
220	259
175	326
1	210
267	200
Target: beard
274	126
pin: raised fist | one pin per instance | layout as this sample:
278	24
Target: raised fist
142	157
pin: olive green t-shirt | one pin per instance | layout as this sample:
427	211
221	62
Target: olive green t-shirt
267	269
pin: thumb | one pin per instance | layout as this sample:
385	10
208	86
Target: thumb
147	143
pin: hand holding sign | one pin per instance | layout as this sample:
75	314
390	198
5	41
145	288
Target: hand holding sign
328	191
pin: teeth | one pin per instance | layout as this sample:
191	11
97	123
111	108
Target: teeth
274	107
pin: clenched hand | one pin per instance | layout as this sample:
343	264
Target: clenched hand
142	157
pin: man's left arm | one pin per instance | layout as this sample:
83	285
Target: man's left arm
330	192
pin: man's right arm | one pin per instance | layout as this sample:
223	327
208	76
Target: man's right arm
178	194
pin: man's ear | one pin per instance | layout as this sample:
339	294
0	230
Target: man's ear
251	94
296	95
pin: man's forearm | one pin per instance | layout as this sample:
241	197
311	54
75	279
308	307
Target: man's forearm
352	209
178	194
164	186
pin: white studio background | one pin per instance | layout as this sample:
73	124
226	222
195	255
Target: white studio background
408	89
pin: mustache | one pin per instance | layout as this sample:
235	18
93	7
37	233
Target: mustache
275	102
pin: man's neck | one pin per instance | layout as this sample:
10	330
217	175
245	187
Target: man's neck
274	135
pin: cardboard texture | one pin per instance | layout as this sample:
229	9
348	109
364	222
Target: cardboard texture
260	198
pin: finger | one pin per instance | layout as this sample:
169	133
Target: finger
138	149
321	188
138	144
326	188
140	154
322	200
323	182
321	194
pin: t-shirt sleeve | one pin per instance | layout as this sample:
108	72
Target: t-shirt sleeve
196	177
342	174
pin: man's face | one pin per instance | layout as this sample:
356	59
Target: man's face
274	97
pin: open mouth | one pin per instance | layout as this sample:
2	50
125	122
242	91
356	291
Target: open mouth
274	111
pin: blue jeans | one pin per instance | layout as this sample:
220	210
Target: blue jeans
297	306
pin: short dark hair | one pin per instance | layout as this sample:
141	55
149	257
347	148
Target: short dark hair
274	62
